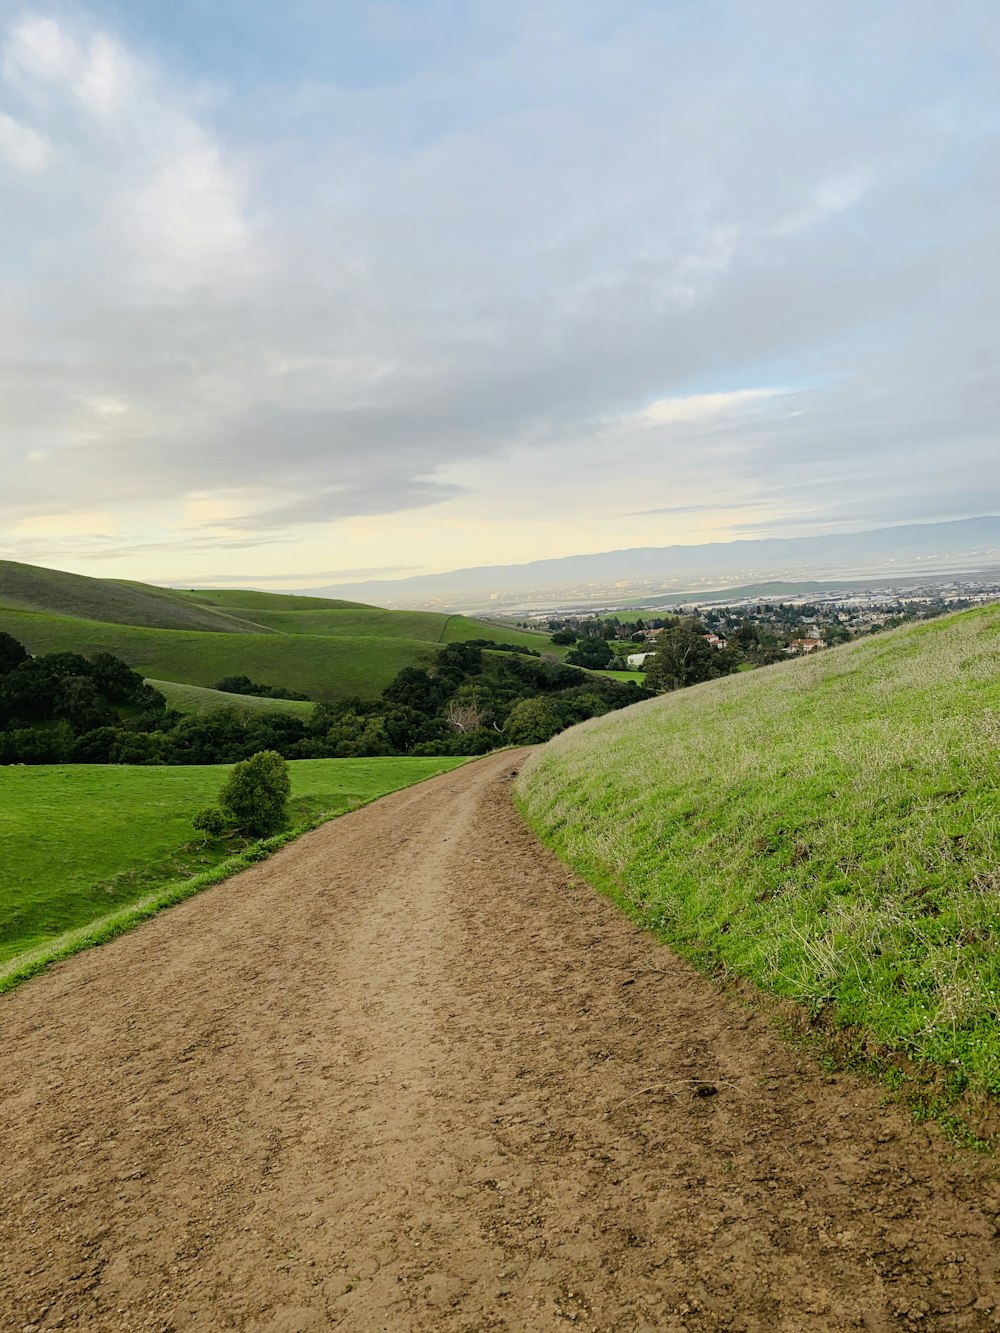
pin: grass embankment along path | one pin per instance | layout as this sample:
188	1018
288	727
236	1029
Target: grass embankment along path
828	828
408	1074
79	841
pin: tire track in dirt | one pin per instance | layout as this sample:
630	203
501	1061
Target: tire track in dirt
409	1074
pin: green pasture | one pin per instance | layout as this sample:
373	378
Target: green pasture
199	699
364	621
322	667
79	841
311	615
239	600
53	591
827	827
459	628
326	649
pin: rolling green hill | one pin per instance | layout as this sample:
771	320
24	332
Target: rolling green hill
314	645
238	600
288	614
199	699
31	588
827	827
368	621
322	667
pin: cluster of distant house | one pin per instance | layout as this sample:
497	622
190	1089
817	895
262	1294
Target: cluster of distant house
796	647
808	645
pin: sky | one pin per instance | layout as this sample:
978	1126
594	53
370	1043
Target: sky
330	290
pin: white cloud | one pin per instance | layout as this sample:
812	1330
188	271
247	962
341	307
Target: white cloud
696	408
39	51
97	71
22	146
829	197
166	203
185	222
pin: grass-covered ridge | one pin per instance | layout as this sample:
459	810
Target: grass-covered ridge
318	646
55	592
200	699
828	828
91	839
322	667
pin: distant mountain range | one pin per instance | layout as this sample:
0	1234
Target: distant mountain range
656	571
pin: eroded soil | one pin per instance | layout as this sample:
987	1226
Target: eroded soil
410	1075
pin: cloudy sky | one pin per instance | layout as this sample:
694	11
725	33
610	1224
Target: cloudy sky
329	288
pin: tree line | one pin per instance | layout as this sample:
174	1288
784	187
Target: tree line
66	708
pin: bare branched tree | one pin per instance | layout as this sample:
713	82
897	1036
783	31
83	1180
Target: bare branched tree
463	716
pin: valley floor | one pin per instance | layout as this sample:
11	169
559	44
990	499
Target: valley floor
409	1074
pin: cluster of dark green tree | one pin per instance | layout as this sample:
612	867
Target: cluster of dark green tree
62	706
568	629
683	656
470	702
244	685
67	709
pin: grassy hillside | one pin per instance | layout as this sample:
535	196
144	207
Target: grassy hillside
198	699
239	600
355	620
92	838
318	615
315	645
827	827
459	628
31	588
322	667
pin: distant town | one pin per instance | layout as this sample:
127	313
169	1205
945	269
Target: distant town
764	628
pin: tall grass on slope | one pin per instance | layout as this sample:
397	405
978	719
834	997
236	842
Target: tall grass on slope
829	828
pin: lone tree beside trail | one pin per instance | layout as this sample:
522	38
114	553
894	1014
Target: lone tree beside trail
255	794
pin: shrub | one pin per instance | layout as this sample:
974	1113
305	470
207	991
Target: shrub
210	821
256	791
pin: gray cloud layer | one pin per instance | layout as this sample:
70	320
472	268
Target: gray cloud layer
320	302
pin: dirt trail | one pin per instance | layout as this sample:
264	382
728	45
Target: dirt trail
410	1075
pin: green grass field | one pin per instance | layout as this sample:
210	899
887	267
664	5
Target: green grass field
322	667
828	828
236	601
79	841
313	645
340	619
52	591
639	677
199	699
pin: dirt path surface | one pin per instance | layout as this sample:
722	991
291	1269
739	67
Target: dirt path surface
410	1075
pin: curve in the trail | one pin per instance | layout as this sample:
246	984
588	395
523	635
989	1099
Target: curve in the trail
410	1075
